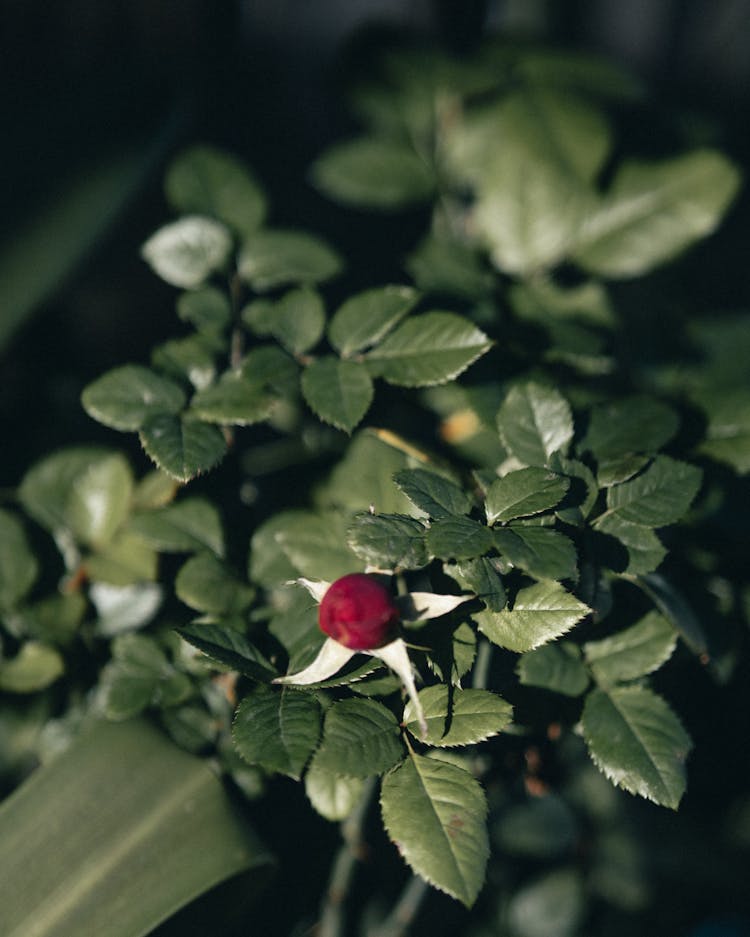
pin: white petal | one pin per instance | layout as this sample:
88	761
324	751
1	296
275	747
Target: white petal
416	606
316	587
396	657
331	658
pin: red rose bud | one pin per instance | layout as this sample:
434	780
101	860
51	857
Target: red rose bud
359	612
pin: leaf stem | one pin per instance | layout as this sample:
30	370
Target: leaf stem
482	665
332	919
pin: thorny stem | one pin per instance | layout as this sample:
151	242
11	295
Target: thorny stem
402	916
332	919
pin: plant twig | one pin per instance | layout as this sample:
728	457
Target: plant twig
332	918
482	665
402	916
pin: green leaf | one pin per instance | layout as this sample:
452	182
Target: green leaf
434	494
97	845
277	729
154	490
190	524
637	741
334	797
316	545
449	267
534	422
458	538
525	492
388	541
233	401
125	397
230	648
432	348
192	358
673	606
273	258
273	368
632	653
458	717
205	584
130	681
205	181
643	548
583	491
627	425
551	906
541	551
435	814
299	320
654	211
339	392
34	667
124	608
374	173
183	448
533	171
207	309
538	828
659	496
482	578
727	439
365	318
619	469
18	565
99	500
360	737
55	618
125	560
186	252
451	654
541	613
557	667
546	302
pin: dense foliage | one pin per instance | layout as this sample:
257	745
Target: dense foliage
533	494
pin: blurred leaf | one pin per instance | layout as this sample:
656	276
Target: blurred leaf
277	729
334	797
541	613
339	392
388	541
449	267
203	180
435	813
373	173
627	425
192	358
233	401
673	606
728	431
35	666
458	717
432	348
186	525
458	538
186	252
659	496
551	906
632	653
437	496
638	742
534	422
273	258
360	738
557	667
124	608
126	397
522	493
316	545
365	318
18	565
540	828
299	319
96	845
207	309
544	301
654	211
55	618
125	560
207	585
183	448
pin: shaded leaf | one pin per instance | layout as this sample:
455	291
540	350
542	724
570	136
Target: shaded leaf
458	717
432	348
207	309
339	392
277	729
273	258
449	267
659	496
229	647
126	397
35	666
481	576
644	549
183	448
186	252
374	173
551	906
125	560
458	538
557	667
638	742
388	541
435	814
534	421
189	524
540	613
627	425
671	603
18	565
360	737
207	585
541	551
333	796
365	318
233	401
316	545
632	653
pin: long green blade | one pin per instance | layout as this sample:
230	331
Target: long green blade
115	835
